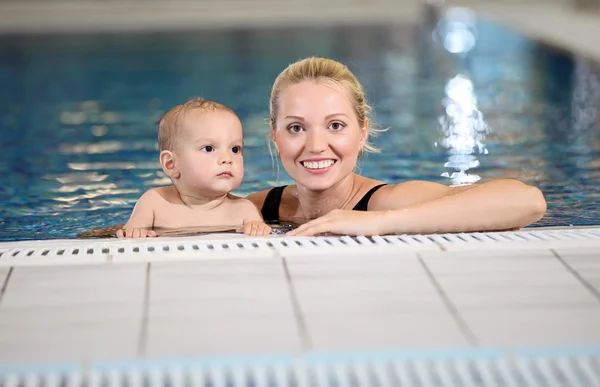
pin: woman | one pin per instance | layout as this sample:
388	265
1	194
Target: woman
320	127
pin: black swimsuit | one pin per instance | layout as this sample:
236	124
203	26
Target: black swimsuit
270	208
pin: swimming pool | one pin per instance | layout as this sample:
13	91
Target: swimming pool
78	114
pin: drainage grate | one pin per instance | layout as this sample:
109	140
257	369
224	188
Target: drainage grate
469	368
84	252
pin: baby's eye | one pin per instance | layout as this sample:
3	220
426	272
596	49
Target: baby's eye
208	148
336	126
236	149
295	128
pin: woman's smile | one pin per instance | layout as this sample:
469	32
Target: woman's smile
318	166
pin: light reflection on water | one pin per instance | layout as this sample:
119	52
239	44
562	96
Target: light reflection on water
78	114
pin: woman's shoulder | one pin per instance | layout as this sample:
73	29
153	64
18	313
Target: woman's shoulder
408	193
258	198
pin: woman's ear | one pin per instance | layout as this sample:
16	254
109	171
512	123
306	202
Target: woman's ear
272	139
364	133
168	164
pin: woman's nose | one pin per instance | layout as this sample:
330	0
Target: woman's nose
316	141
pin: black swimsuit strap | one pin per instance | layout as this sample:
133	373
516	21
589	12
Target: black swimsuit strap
270	208
363	204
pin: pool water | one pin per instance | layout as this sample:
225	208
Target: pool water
78	114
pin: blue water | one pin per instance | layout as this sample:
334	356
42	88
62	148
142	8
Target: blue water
78	114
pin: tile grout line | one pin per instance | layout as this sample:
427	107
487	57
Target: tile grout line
460	321
141	347
577	276
5	284
299	316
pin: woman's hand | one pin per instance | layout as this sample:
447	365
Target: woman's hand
256	228
132	232
344	222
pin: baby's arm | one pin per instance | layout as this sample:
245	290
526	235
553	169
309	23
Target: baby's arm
141	220
254	224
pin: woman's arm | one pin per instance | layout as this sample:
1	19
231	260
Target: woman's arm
495	205
425	207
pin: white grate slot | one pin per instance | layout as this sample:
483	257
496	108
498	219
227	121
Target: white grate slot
566	368
553	374
261	377
590	370
197	377
300	375
348	241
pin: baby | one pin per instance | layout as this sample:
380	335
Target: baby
201	151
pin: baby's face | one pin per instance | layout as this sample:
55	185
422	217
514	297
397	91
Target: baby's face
209	153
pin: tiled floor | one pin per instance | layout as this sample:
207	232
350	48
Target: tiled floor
410	298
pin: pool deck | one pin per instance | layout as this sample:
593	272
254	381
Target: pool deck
115	300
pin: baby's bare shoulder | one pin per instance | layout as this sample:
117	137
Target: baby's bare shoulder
244	209
238	202
168	194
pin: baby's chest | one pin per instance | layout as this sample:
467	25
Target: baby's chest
182	216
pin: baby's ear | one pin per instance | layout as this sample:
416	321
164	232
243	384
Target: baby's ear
168	164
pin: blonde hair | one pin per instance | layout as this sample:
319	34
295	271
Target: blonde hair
331	71
171	124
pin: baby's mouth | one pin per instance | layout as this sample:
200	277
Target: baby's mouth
225	174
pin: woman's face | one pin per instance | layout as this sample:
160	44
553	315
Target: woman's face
317	134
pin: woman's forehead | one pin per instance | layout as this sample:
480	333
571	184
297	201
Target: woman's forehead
315	96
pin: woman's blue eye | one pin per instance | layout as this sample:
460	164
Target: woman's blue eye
294	128
336	126
236	149
208	148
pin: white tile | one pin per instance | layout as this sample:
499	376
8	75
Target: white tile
368	287
585	265
501	292
122	274
60	285
575	253
594	280
356	269
191	289
508	255
65	314
3	274
387	332
380	306
244	306
230	270
101	340
536	327
493	266
209	336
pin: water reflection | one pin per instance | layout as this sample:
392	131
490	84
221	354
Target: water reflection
456	30
462	124
464	130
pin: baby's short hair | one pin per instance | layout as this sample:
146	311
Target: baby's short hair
169	126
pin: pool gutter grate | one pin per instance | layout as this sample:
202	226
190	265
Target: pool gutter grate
156	249
463	368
